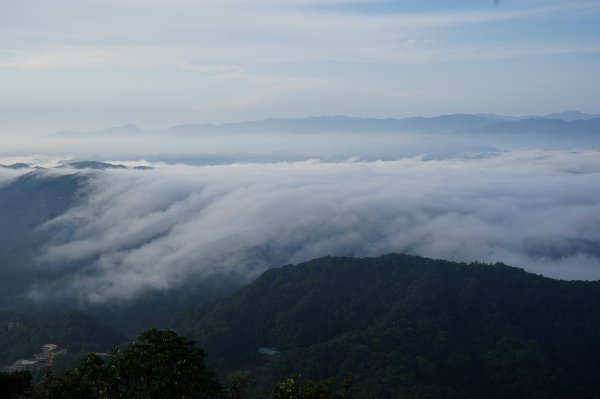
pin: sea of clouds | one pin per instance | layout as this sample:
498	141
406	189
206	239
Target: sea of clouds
138	231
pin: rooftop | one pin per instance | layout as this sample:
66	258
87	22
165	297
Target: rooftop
269	351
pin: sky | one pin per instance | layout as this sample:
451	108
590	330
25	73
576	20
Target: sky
87	65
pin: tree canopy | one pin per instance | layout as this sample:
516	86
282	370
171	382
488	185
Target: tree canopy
158	364
410	327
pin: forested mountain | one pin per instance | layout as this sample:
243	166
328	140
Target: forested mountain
75	330
400	325
92	165
27	203
406	326
31	200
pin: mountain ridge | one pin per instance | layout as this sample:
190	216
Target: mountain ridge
441	123
407	326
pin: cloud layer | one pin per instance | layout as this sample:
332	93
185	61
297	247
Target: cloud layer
155	230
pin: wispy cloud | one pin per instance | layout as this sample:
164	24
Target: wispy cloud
70	53
220	33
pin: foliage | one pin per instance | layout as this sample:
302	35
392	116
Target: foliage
76	330
87	381
410	327
14	385
161	361
237	385
159	364
402	326
298	387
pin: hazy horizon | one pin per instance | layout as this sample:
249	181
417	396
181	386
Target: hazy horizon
87	66
522	190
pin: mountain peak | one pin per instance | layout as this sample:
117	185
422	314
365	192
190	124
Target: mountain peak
128	128
93	165
570	115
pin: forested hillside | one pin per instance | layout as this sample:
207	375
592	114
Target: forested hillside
75	330
33	285
28	202
406	326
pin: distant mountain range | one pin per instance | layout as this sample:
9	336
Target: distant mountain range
568	116
571	116
78	165
16	166
456	123
341	137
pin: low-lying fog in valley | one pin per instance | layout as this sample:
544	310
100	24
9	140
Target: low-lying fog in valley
132	231
331	198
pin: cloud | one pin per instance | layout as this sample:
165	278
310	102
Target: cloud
194	34
9	175
141	231
108	62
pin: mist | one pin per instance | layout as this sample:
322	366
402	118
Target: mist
139	231
254	147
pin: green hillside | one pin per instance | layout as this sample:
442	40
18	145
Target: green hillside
410	327
75	330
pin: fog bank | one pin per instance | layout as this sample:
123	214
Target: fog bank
155	230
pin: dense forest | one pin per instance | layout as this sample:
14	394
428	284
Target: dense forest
76	330
394	326
159	364
410	327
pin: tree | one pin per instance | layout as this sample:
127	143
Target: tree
237	384
159	364
14	385
160	361
90	379
298	387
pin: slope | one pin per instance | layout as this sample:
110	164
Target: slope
407	326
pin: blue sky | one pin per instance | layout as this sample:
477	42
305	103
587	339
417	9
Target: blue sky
70	64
